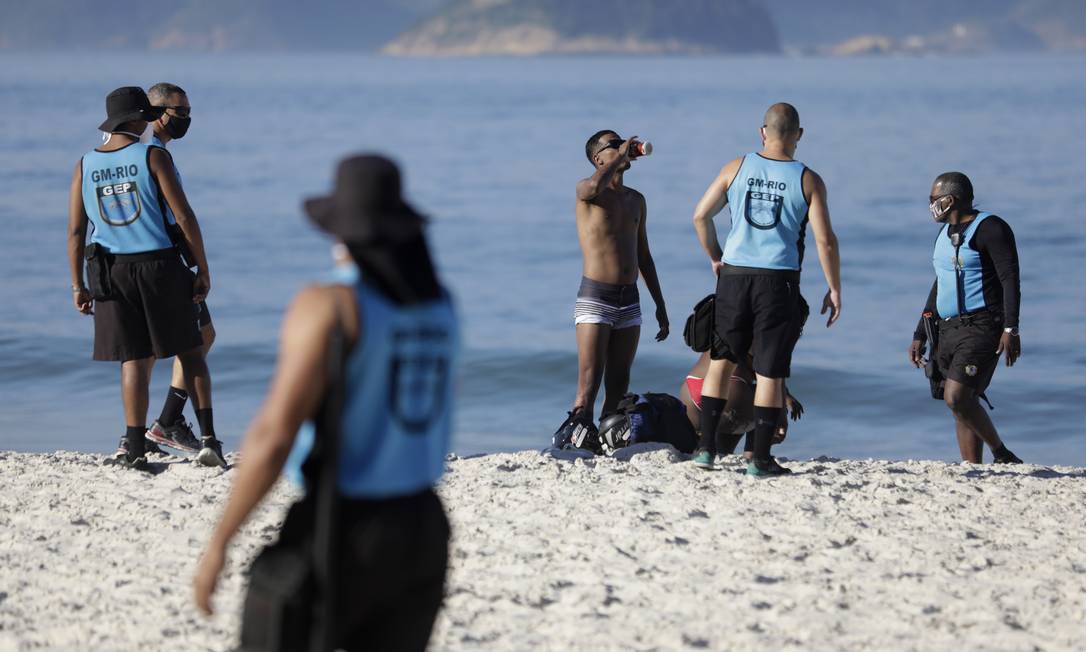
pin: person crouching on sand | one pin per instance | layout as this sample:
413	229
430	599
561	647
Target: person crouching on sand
738	418
611	227
384	570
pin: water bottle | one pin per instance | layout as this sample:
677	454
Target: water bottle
639	149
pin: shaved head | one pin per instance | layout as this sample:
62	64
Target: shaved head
781	120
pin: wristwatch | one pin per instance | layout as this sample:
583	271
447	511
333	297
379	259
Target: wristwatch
1013	332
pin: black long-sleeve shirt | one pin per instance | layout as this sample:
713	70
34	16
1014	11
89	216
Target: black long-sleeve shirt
994	241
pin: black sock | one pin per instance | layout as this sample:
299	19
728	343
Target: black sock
134	436
725	444
174	405
1000	452
748	445
765	423
207	425
711	409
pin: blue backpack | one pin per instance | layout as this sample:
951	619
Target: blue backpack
648	417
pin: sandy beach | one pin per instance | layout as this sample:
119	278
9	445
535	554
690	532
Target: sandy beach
639	552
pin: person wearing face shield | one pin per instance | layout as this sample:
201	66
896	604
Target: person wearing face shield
974	302
170	429
134	284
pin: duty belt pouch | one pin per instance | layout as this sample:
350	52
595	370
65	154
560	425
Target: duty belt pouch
99	264
698	332
279	604
931	367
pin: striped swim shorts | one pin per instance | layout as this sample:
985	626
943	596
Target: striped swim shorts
617	306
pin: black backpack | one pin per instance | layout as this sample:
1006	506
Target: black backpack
698	332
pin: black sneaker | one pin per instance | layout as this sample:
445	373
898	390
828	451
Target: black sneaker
149	448
211	453
1007	458
123	461
178	435
766	468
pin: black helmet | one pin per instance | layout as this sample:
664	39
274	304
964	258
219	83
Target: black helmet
614	432
577	431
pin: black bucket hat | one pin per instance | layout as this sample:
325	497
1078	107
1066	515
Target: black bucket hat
366	204
126	104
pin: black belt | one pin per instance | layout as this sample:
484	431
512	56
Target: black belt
787	274
969	317
146	256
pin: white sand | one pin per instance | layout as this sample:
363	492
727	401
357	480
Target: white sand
639	553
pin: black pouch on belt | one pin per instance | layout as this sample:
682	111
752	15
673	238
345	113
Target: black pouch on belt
698	332
931	368
99	264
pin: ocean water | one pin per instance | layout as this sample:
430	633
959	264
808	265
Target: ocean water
492	149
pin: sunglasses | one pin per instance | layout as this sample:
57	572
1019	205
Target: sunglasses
613	143
180	111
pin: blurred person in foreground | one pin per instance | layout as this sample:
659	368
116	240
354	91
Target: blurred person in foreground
399	332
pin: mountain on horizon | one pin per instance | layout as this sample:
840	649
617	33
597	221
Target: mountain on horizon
520	27
547	26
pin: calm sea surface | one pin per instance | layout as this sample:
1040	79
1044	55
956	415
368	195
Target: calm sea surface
492	149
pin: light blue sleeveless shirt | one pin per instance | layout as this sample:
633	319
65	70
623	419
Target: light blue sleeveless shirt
398	409
949	264
122	200
769	214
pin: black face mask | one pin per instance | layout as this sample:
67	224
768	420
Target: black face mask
177	127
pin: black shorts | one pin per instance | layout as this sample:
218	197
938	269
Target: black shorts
757	313
392	558
151	312
967	348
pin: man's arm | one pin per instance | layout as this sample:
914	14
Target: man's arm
916	355
995	238
163	170
818	213
77	237
712	202
587	189
294	396
648	271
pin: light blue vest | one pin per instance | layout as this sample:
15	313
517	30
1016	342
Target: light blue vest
169	211
769	214
953	299
398	408
122	200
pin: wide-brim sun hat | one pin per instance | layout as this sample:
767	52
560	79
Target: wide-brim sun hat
126	104
366	204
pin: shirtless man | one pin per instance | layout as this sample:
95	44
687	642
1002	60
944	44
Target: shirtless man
614	243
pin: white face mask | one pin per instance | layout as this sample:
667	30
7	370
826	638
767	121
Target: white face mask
940	209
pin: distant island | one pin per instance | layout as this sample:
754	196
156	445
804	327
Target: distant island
552	27
525	28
